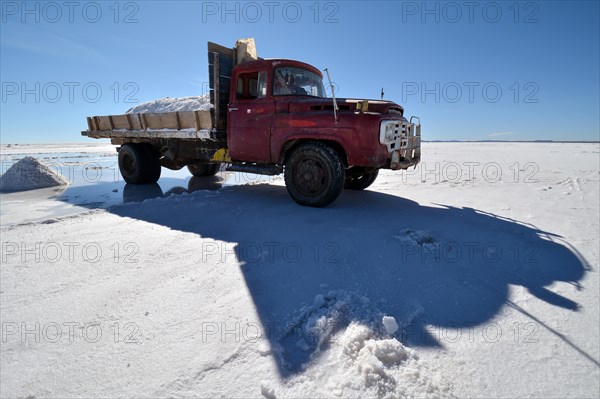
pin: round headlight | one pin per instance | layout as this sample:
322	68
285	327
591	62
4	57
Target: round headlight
390	132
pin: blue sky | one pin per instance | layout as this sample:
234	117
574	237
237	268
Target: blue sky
471	70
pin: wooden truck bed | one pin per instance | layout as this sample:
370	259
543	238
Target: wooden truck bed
180	125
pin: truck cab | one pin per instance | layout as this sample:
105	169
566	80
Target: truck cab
277	106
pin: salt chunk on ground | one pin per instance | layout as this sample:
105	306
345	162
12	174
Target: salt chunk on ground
29	174
390	324
264	349
267	392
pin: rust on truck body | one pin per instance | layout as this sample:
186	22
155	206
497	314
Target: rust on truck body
275	121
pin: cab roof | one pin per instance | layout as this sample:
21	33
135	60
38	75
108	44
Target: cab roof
275	62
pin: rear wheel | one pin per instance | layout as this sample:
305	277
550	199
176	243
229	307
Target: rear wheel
139	163
314	174
152	168
361	181
204	169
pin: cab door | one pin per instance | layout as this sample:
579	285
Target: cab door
249	118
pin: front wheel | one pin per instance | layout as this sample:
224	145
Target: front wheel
362	181
314	174
204	169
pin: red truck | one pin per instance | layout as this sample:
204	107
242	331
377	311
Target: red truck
268	116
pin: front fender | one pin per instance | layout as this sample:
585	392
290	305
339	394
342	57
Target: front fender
280	147
360	145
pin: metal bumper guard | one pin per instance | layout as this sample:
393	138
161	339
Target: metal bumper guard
408	144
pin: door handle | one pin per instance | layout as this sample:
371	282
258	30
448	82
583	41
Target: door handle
233	109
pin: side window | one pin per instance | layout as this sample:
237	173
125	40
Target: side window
240	87
253	88
247	86
262	84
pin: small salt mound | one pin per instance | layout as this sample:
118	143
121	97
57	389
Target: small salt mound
353	352
29	174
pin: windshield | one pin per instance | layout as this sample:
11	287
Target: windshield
291	81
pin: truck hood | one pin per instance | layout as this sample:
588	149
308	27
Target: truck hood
344	104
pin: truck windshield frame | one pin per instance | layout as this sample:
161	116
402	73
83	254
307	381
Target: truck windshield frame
295	81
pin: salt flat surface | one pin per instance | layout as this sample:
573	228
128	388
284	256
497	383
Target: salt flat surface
486	257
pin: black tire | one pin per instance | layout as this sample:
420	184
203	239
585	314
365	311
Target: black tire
131	162
152	169
204	169
314	174
139	164
362	181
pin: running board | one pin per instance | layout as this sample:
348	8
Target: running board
270	170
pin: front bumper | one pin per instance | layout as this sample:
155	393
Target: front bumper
403	141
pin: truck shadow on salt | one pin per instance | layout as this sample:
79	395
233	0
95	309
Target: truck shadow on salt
429	267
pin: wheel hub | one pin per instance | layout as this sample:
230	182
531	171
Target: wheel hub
310	177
